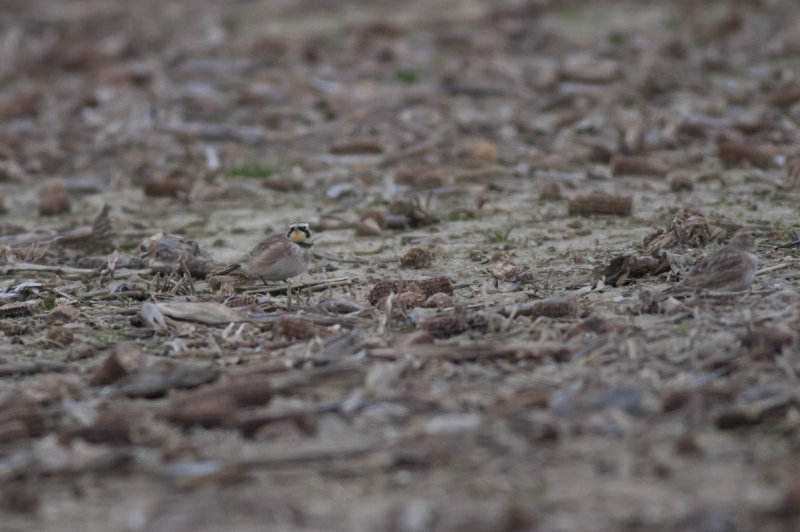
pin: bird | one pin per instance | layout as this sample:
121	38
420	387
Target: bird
729	269
278	257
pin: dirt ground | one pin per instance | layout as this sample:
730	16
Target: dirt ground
499	192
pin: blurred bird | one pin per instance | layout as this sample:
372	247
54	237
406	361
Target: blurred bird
278	257
729	269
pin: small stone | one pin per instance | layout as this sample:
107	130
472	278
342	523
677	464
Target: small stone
439	300
447	325
60	336
61	314
207	412
583	67
368	227
550	192
342	191
108	372
298	328
171	187
681	182
767	340
140	73
416	338
409	299
453	424
372	214
478	152
53	198
82	351
130	356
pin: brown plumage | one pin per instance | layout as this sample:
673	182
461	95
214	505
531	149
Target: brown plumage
729	269
278	257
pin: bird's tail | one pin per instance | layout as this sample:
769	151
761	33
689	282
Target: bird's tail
228	270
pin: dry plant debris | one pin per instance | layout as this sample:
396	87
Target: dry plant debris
425	287
500	192
416	257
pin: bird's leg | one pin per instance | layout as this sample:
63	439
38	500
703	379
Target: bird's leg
265	284
288	295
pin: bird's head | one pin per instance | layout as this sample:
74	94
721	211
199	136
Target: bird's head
746	238
299	233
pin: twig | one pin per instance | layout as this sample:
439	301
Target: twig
776	267
250	134
11	370
375	251
350	375
324	320
249	423
27	267
339	259
481	174
411	151
131	294
61	293
476	351
722	295
26	238
315	286
312	452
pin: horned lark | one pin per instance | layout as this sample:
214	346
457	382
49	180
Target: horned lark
278	257
729	269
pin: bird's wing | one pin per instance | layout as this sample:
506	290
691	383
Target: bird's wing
724	260
229	269
266	251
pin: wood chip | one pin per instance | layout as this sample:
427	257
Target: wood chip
734	154
209	313
556	307
476	351
157	383
600	204
355	146
637	165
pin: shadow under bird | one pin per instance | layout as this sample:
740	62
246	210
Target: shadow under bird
729	269
278	257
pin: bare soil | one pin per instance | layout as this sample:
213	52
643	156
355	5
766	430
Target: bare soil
499	191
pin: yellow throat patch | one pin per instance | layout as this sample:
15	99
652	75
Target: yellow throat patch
297	236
